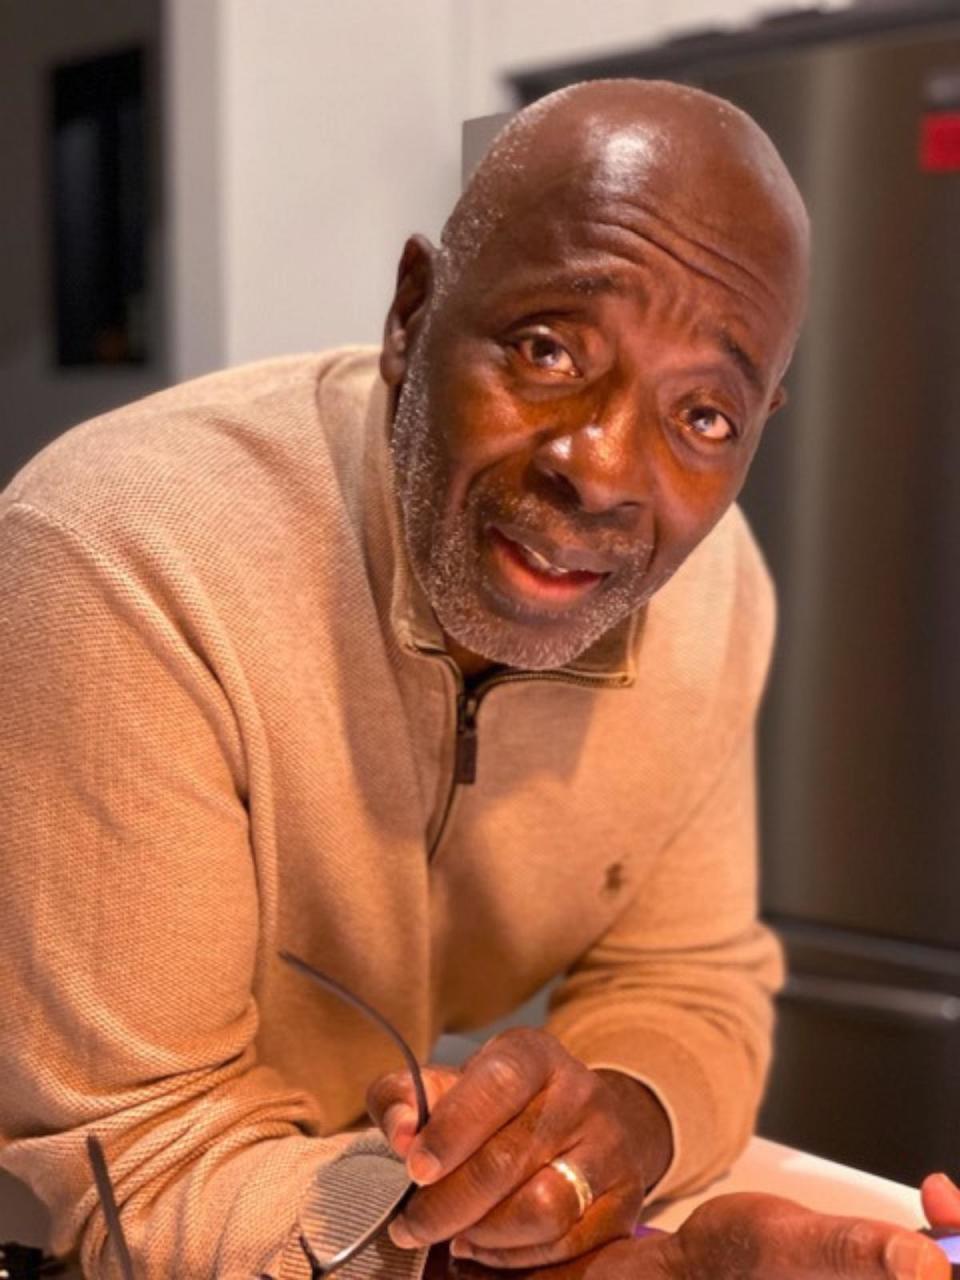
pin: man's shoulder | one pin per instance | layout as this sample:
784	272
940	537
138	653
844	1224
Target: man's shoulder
241	436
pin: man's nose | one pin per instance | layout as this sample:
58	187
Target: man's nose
602	467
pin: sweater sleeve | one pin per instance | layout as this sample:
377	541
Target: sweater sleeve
679	992
128	938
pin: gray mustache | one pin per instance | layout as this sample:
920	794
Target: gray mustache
562	526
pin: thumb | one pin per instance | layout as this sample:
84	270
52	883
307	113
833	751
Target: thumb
941	1201
391	1102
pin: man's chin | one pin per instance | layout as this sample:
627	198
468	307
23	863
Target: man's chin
503	632
509	616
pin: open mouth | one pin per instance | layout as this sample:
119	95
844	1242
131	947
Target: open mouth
531	577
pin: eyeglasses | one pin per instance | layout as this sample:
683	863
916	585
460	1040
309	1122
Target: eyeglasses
372	1184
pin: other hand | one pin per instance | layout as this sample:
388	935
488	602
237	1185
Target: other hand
483	1160
748	1236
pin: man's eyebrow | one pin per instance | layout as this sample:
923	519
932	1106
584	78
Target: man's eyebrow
583	283
745	362
594	282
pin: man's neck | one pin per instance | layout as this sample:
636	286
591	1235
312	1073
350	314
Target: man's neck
474	667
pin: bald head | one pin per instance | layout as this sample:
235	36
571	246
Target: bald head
694	163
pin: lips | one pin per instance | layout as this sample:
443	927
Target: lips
539	573
556	555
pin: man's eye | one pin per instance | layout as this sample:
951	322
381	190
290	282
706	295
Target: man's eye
546	353
709	424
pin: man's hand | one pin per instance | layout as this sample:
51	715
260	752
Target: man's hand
483	1161
761	1237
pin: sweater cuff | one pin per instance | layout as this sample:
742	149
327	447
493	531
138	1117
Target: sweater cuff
676	1080
345	1195
654	1191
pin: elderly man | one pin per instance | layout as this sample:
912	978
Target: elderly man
372	669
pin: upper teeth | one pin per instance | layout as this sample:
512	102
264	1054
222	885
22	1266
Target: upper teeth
542	563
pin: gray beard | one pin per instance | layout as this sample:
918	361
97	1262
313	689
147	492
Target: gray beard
444	553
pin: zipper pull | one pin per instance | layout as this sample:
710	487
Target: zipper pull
465	759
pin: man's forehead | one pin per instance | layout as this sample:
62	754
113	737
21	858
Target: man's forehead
560	257
544	280
670	199
617	212
705	184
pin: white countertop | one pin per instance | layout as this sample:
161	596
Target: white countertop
819	1184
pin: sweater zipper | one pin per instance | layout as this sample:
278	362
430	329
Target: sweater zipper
465	747
466	738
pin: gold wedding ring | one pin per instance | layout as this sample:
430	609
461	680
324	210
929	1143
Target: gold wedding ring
577	1180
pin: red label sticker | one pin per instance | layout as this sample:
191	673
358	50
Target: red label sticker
940	142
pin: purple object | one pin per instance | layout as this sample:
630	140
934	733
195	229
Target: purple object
641	1232
949	1242
947	1239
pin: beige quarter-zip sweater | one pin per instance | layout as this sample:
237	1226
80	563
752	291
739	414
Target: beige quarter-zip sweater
227	727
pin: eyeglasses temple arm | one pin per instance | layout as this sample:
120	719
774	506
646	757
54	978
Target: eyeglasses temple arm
101	1177
423	1110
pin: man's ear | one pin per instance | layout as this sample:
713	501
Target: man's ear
780	398
415	276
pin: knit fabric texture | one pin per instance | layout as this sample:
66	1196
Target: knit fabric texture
227	728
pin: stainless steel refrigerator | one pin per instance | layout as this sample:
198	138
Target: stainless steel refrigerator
855	497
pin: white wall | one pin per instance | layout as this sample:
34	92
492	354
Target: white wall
341	138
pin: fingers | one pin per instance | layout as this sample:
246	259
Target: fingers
765	1237
468	1193
538	1213
573	1235
941	1201
541	1224
495	1086
507	1207
391	1102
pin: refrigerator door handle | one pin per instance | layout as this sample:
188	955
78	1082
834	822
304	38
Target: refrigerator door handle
932	1008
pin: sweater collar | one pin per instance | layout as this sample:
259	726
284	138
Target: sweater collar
610	660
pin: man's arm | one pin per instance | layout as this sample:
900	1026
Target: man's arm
678	993
671	1009
129	926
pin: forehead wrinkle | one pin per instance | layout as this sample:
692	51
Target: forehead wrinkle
712	251
695	268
